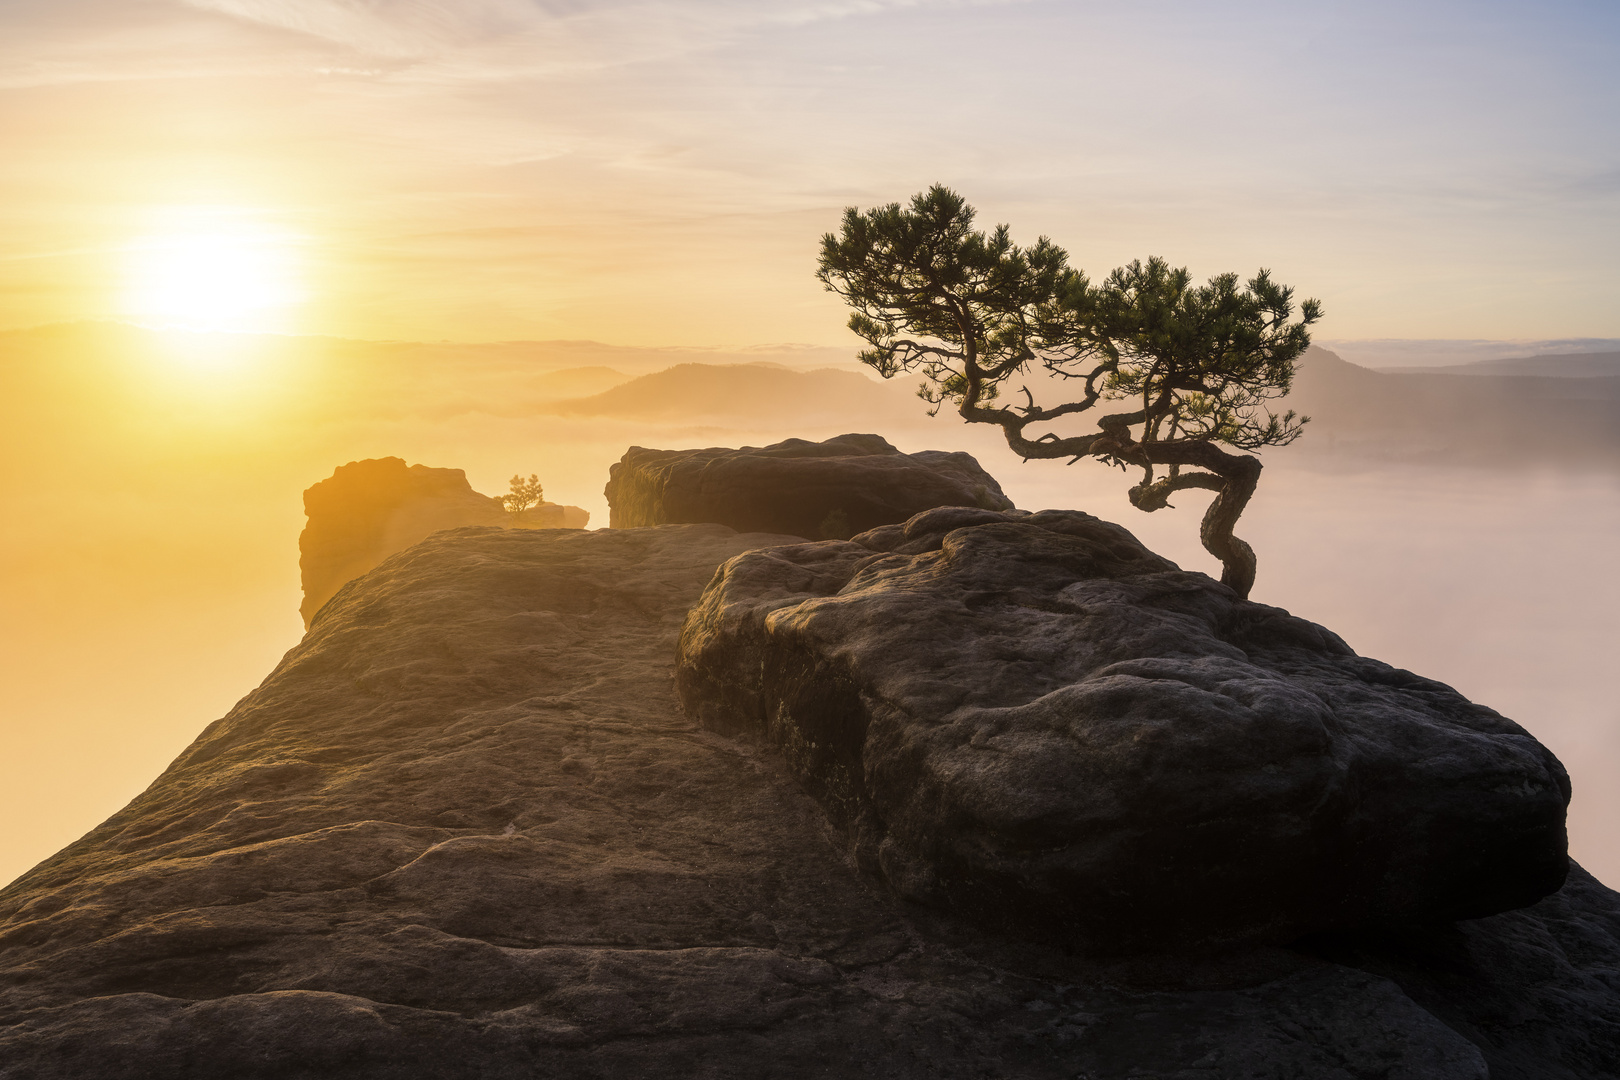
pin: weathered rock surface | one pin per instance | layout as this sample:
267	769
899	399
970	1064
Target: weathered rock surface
367	510
835	488
1033	720
464	830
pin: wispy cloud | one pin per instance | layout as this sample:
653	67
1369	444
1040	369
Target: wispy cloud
400	28
542	35
1377	156
67	41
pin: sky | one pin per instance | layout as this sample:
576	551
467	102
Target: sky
660	173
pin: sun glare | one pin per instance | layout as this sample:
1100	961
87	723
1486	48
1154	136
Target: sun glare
213	269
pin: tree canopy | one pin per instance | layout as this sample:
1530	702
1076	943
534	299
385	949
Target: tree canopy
1188	368
525	493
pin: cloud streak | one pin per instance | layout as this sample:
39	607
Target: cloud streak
1377	157
398	29
432	40
494	39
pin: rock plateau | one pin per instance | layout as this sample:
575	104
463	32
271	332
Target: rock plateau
465	830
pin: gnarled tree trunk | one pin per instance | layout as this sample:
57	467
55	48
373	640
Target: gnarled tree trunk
1232	477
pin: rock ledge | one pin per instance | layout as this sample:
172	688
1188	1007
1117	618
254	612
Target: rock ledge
839	487
1034	721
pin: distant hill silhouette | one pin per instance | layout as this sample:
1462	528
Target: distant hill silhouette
743	390
579	382
1416	354
1604	365
1357	413
1481	417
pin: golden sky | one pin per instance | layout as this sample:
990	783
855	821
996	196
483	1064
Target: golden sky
659	173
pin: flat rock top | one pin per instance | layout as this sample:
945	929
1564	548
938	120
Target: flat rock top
837	487
464	830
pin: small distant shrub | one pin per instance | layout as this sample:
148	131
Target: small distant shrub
835	526
525	493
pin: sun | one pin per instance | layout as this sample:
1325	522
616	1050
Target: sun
213	269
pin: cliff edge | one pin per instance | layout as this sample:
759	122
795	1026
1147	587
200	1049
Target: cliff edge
465	829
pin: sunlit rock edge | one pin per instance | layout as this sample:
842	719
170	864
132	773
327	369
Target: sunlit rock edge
367	510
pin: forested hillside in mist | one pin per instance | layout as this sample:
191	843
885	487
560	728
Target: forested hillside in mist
1488	413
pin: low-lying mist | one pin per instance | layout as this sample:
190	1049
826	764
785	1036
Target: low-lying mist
152	487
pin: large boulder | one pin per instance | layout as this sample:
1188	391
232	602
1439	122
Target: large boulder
367	510
836	488
1033	720
464	831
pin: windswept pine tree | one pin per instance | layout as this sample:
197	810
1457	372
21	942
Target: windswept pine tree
1190	368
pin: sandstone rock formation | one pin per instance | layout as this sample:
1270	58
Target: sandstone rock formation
835	488
1035	721
465	831
367	510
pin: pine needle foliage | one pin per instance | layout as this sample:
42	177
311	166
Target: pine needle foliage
1187	368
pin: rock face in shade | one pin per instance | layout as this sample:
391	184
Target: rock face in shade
1034	721
367	510
835	488
464	831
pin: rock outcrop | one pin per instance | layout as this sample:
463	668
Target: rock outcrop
1034	721
836	488
464	830
367	510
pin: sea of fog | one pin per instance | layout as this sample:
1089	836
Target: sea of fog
149	574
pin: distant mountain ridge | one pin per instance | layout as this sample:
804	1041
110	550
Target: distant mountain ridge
695	389
1488	417
1604	365
1558	409
1389	354
1358	413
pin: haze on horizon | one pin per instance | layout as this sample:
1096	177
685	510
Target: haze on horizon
1443	177
149	572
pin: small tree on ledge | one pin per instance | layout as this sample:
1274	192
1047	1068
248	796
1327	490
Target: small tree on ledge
525	493
1193	367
